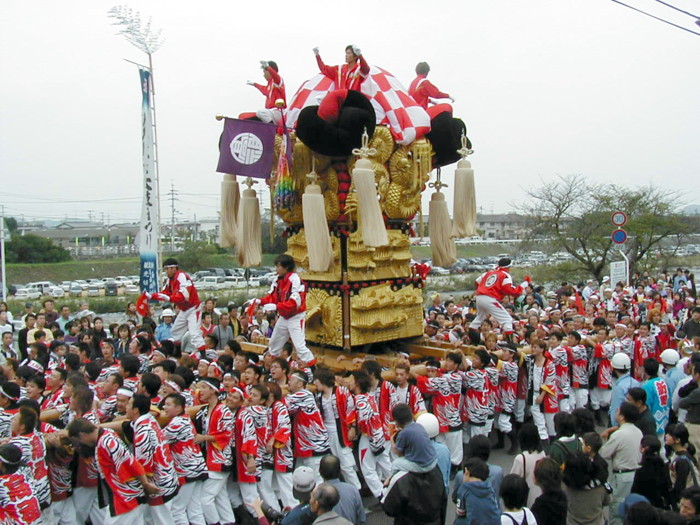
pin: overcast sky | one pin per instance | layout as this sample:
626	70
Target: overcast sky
546	87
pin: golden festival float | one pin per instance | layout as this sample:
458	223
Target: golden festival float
349	171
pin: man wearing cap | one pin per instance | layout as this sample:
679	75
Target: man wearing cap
215	422
122	478
622	382
491	287
181	292
165	328
303	483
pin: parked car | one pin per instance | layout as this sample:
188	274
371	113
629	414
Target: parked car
43	287
66	286
211	282
123	279
75	289
94	290
111	288
135	279
438	270
24	294
96	282
82	283
266	280
132	289
56	292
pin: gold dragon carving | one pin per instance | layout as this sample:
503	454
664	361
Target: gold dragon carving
324	317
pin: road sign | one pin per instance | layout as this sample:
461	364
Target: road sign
618	272
619	218
619	236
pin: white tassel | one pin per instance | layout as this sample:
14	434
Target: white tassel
370	221
443	246
249	229
228	222
464	218
318	240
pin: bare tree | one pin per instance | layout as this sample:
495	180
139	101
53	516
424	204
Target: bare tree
574	215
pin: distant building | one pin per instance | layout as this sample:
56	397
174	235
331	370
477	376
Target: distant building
502	225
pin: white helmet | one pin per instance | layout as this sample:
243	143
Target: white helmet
430	423
621	361
670	357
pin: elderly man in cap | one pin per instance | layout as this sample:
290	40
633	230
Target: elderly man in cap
491	287
303	483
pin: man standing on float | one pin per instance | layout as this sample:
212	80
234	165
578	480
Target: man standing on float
351	74
180	291
288	296
491	287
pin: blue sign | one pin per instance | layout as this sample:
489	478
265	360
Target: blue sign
619	236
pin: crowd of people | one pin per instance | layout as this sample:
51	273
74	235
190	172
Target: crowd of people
177	420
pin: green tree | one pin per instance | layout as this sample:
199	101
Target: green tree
574	216
34	249
11	224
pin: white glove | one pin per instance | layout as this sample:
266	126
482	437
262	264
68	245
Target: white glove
161	297
250	82
356	50
264	64
452	99
269	308
525	284
315	51
148	295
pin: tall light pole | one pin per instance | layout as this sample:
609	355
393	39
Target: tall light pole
143	37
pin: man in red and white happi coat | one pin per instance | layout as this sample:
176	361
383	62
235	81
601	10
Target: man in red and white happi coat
492	286
423	90
603	352
625	342
561	358
384	393
59	461
508	371
375	465
542	392
18	503
309	433
250	435
31	443
493	394
123	482
475	404
188	461
181	292
351	74
579	371
280	448
645	347
151	450
274	89
446	392
406	392
288	296
337	407
215	422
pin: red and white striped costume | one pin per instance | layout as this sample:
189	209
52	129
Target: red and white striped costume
119	471
644	348
561	359
18	503
412	397
385	397
507	386
603	353
344	413
309	432
187	456
281	430
152	451
475	407
247	442
34	458
447	392
219	424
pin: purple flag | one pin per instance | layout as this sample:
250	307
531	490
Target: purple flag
247	148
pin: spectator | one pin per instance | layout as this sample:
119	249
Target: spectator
524	463
303	483
431	425
350	504
566	442
475	498
551	506
514	493
165	329
652	478
682	465
480	447
586	498
323	499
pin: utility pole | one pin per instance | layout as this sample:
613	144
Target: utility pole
172	194
2	253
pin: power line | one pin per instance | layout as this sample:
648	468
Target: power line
678	9
656	17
